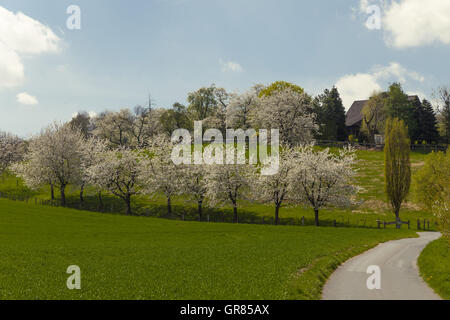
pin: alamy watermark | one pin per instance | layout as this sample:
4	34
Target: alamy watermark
232	150
73	22
74	280
374	20
374	281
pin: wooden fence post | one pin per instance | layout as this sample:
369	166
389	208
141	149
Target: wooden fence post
303	221
418	224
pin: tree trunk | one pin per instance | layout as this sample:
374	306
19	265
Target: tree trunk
82	193
277	210
100	200
63	195
397	218
128	202
200	210
169	206
316	217
52	191
235	213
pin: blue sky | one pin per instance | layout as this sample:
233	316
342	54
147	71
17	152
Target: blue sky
128	49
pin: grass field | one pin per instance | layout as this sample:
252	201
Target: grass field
434	264
148	258
372	202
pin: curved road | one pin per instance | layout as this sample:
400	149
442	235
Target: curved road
399	274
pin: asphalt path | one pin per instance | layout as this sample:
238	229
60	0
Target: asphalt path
396	264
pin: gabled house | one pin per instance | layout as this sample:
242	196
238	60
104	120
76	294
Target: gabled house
353	120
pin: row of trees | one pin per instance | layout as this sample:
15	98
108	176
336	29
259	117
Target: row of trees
281	105
423	123
305	175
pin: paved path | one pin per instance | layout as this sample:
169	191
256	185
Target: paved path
400	279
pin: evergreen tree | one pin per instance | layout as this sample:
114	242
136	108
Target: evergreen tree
330	113
398	106
427	123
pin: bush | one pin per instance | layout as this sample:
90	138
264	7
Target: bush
432	188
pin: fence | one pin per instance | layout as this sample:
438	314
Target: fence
215	216
414	147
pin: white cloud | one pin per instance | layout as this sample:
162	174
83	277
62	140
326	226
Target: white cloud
26	99
360	86
357	87
92	114
11	68
413	23
230	66
21	36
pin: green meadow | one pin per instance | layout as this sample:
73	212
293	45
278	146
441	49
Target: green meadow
146	257
123	257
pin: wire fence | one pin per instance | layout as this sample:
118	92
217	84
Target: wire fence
226	216
363	145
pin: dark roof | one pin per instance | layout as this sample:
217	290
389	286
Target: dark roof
354	115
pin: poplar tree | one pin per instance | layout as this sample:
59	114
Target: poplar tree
397	165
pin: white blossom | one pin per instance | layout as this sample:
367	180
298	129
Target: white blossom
116	171
275	189
321	179
12	149
53	157
229	183
289	112
158	173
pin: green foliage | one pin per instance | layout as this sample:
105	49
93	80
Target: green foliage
145	258
175	118
397	165
280	86
330	115
202	103
398	106
434	265
373	116
427	130
432	187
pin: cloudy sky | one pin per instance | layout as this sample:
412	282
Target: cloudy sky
128	49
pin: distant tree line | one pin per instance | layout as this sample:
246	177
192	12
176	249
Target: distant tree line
425	123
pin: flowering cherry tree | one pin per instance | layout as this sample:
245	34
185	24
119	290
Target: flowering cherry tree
193	184
158	173
240	107
116	171
229	183
321	179
53	157
11	150
91	149
275	188
288	111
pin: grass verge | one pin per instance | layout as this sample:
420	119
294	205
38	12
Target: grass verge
434	265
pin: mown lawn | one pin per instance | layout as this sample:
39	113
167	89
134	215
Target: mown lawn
146	258
434	264
371	206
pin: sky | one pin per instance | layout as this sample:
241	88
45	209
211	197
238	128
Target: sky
125	50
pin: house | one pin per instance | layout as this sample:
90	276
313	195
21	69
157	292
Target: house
353	120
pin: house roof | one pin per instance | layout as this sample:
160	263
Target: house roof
354	115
